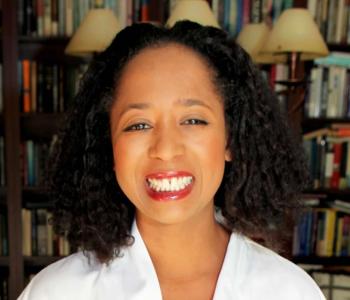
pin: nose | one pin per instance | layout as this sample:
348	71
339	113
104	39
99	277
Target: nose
167	144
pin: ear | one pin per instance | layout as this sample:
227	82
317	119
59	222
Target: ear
228	155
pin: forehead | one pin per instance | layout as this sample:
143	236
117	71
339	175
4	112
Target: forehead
167	62
162	77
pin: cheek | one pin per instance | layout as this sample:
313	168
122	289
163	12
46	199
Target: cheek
211	150
125	153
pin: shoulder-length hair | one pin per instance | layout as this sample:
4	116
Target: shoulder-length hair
261	184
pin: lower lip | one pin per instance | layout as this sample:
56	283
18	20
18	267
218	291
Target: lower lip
169	196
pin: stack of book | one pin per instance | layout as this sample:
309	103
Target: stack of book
329	92
333	19
323	232
328	153
334	285
47	87
38	236
34	157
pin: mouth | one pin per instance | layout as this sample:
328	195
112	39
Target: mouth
165	186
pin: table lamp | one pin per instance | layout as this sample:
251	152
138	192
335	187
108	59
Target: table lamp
194	10
94	34
252	38
295	35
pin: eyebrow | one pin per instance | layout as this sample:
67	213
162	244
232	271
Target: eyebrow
182	102
193	102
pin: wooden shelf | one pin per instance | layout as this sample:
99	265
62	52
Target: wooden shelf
339	47
40	261
36	197
328	193
2	195
1	124
4	261
310	124
326	261
40	125
46	49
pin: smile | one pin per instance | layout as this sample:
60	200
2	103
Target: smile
169	184
172	185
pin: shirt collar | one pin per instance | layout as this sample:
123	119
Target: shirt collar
142	270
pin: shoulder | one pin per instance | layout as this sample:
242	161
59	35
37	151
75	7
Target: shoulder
272	276
72	277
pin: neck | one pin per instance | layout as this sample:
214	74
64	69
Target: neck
178	251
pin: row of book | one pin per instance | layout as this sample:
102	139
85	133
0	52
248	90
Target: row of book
2	162
333	19
323	231
334	285
46	18
38	236
329	91
34	156
233	14
328	153
47	87
62	18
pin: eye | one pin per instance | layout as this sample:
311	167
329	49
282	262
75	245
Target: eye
195	122
138	126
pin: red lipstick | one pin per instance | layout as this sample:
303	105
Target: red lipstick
169	195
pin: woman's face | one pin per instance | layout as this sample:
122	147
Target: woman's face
168	135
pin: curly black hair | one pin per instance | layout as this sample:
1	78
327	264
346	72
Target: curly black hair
261	184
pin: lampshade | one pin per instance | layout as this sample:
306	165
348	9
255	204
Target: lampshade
252	38
194	10
296	31
94	34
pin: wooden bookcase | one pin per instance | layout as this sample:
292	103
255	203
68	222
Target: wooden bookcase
14	125
12	141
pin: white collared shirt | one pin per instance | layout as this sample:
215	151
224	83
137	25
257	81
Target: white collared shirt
249	272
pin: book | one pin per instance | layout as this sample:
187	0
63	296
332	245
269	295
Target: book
26	86
26	232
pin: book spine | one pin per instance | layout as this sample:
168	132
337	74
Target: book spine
69	17
47	18
339	236
40	7
329	164
330	229
41	225
321	233
144	11
54	17
26	232
336	166
256	11
26	85
33	86
343	163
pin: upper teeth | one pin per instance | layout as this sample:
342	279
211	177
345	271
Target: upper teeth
169	184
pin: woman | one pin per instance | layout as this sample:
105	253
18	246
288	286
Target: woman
174	152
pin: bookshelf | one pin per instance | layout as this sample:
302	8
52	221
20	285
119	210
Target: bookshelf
17	126
327	196
20	41
324	261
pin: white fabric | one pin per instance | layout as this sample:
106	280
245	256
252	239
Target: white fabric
249	272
